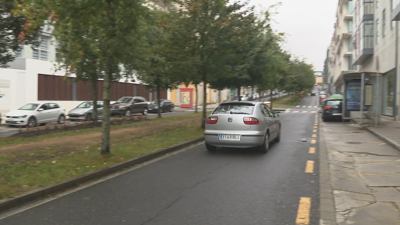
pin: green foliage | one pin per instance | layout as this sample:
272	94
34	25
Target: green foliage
20	25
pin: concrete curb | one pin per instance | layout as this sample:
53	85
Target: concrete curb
326	200
388	140
9	203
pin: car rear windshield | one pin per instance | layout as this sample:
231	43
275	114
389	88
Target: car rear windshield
234	108
29	106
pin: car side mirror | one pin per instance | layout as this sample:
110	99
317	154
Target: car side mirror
39	110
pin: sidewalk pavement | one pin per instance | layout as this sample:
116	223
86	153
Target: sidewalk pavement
359	173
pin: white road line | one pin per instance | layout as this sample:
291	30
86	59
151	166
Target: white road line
295	111
304	111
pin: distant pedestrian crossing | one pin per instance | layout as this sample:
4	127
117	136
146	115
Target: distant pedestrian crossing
302	109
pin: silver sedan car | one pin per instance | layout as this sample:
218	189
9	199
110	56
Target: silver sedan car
242	125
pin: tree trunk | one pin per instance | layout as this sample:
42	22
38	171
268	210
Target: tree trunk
203	121
270	98
94	97
219	96
158	101
197	98
105	146
238	93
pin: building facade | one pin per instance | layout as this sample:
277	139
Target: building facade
363	53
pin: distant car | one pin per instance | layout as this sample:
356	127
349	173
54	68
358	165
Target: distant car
165	105
312	93
128	105
84	111
34	113
242	125
332	109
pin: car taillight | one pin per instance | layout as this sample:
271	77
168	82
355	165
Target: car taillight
212	120
250	120
327	108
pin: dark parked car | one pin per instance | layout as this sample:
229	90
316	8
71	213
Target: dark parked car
312	93
332	109
84	111
165	105
128	105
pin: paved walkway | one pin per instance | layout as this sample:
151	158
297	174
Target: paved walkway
360	173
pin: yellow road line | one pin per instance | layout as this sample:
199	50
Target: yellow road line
314	135
312	150
315	127
313	142
315	131
310	166
303	213
316	124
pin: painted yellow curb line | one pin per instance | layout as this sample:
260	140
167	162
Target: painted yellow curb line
312	150
303	213
313	142
310	166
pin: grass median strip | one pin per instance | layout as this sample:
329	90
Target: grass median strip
69	155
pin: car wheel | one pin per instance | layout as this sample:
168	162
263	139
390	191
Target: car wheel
61	119
88	117
211	148
265	146
32	122
171	109
144	111
278	138
128	112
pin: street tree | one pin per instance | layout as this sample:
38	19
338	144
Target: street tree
153	68
110	26
202	32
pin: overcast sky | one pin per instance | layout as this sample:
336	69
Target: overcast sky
308	25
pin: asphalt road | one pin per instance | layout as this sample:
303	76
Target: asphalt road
230	186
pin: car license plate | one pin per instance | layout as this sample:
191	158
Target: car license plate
336	114
229	137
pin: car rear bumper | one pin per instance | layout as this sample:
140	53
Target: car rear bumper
247	140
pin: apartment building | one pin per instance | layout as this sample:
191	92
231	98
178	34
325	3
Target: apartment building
362	58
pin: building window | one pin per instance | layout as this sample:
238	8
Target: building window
377	3
368	7
20	52
383	23
350	7
42	51
350	24
368	34
377	31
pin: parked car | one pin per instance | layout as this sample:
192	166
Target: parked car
332	109
312	93
244	97
128	105
165	105
256	96
242	125
322	98
84	111
34	113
